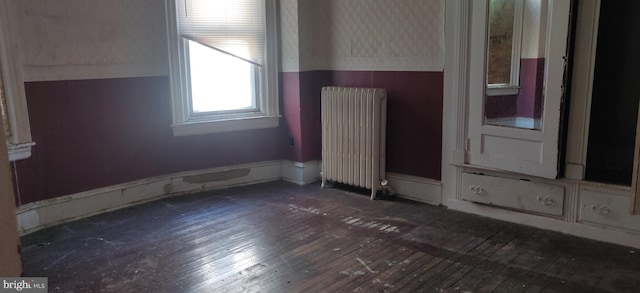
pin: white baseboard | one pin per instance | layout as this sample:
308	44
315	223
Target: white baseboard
416	188
41	214
37	215
301	173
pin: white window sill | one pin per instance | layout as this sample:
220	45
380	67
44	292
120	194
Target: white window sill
518	122
20	151
502	90
246	123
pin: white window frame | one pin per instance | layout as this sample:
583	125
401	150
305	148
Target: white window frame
184	121
20	141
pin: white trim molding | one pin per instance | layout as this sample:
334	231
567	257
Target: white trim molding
584	60
416	188
456	81
20	151
237	124
14	91
301	173
55	211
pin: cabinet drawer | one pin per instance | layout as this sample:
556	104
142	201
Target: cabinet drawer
607	209
516	194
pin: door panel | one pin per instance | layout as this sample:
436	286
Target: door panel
524	150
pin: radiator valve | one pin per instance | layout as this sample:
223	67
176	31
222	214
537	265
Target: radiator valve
386	188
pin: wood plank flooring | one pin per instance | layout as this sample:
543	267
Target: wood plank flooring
279	237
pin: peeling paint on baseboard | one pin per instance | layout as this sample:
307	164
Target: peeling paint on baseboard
218	176
38	215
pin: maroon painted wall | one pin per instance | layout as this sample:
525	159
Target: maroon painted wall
529	100
290	91
97	133
301	103
414	133
500	106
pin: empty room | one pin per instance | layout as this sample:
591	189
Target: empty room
319	146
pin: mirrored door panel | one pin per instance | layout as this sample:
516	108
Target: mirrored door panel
516	48
517	64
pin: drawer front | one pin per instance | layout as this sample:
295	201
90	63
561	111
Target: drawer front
607	209
512	193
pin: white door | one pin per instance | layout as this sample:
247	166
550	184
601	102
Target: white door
517	130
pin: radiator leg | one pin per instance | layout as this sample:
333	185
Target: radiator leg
326	183
373	193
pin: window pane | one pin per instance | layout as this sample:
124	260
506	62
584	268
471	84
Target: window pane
219	82
501	15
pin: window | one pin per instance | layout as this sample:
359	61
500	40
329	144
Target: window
222	65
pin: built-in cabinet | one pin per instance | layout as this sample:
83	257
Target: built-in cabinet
534	197
567	162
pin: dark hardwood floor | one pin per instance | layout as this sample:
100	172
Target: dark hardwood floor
279	237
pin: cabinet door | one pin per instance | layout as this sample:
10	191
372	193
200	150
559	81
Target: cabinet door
517	129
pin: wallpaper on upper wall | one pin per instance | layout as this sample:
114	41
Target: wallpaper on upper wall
289	48
73	39
363	35
534	28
